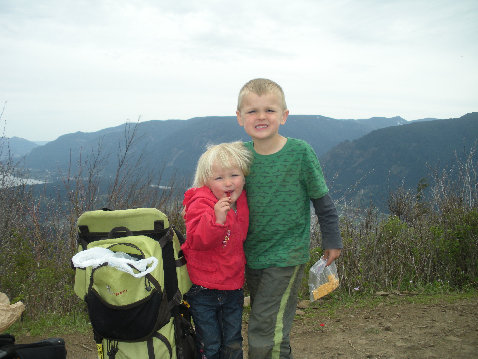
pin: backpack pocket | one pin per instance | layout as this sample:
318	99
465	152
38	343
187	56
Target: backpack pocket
121	306
132	322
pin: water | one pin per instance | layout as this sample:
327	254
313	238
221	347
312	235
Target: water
12	181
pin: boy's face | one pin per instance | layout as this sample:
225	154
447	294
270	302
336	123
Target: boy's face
226	182
261	116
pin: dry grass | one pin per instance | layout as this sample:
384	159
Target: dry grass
430	235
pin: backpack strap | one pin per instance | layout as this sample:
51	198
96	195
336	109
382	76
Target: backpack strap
83	236
118	232
112	348
166	342
179	235
184	333
169	267
182	260
99	344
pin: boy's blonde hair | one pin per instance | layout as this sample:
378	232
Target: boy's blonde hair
226	155
261	87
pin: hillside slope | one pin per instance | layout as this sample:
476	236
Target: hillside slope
15	147
174	146
371	166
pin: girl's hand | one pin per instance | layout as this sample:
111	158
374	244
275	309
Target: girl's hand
221	208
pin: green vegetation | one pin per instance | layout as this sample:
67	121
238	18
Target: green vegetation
53	324
425	244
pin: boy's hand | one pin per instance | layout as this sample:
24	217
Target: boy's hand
331	255
221	208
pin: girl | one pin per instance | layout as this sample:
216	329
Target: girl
217	219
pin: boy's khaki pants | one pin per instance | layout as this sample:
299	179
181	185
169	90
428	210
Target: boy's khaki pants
274	294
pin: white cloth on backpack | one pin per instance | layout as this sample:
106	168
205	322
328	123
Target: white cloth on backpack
96	256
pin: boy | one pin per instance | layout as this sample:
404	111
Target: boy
284	177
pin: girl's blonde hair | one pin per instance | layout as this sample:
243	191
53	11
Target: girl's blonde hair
261	87
225	155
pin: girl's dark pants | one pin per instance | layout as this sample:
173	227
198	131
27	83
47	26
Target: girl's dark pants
217	316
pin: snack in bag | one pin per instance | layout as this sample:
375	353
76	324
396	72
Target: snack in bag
322	279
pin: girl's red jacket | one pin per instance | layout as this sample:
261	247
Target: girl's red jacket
214	252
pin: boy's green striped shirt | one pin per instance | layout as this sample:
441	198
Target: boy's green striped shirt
279	188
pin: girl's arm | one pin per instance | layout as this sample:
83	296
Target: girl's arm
203	232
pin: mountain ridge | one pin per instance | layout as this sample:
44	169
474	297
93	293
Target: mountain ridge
178	143
15	147
390	157
362	159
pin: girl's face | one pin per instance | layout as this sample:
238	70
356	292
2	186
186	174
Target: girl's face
226	182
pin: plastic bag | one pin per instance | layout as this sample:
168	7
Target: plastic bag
97	256
322	279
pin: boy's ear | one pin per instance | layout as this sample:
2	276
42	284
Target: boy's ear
239	118
284	117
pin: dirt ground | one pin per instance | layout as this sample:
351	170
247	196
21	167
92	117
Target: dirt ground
392	329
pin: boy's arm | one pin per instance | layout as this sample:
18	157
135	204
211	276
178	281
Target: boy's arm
329	227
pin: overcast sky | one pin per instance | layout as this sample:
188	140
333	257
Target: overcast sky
85	65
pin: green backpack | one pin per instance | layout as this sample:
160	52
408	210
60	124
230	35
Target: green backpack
131	273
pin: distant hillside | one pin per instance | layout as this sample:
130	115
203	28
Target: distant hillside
174	146
426	119
15	147
369	167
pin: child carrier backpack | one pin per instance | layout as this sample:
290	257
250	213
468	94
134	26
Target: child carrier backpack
131	273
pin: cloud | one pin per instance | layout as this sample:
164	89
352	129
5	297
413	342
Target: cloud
85	65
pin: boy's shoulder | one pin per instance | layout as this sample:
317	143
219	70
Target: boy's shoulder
296	144
291	143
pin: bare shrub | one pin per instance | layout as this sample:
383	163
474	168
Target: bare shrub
429	235
39	234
